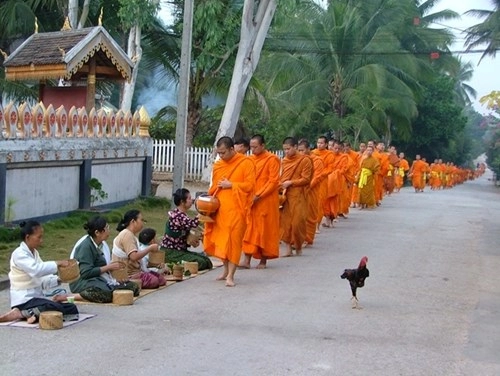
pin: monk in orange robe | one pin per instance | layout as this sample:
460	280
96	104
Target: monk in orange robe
261	240
233	181
314	211
327	158
403	169
355	189
366	179
417	172
379	153
296	175
393	159
337	183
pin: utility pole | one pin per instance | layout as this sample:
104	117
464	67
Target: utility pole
182	98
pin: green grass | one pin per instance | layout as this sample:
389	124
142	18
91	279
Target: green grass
60	235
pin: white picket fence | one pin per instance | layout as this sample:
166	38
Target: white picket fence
196	158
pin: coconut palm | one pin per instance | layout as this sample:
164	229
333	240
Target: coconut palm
485	33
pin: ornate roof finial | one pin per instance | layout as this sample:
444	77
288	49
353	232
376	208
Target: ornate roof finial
5	56
99	21
67	25
36	25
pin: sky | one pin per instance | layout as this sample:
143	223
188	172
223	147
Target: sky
486	77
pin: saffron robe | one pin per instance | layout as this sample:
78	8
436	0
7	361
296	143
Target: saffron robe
224	237
262	233
299	170
314	213
367	181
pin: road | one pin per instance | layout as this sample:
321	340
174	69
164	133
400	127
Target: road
431	306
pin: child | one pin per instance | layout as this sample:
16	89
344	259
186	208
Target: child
147	237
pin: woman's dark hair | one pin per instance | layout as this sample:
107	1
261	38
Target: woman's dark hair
180	195
28	228
146	235
94	224
127	218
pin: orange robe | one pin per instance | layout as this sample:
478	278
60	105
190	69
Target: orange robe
350	177
369	167
298	169
224	237
262	233
400	173
336	186
418	170
328	159
314	211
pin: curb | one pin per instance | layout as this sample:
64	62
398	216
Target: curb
4	283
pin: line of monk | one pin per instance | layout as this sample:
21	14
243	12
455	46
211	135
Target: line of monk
303	192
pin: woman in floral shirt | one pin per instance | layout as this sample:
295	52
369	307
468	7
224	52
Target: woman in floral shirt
177	229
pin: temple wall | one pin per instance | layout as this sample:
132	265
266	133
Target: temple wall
48	177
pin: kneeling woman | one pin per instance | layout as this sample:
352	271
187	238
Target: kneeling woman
30	276
177	230
96	283
126	248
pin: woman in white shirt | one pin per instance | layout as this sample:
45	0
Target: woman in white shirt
30	276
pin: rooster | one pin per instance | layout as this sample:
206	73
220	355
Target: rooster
356	278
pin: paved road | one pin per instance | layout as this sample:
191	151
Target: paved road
431	306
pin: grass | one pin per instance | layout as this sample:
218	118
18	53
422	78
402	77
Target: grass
60	235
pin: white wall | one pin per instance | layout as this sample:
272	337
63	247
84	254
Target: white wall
121	181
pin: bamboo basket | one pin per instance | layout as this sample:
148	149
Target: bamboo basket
156	258
123	297
70	273
192	266
194	236
120	274
51	320
178	271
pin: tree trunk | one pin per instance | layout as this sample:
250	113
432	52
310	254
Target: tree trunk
85	14
252	36
134	51
73	13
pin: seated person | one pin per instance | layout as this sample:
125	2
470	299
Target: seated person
126	248
177	230
147	237
30	276
96	283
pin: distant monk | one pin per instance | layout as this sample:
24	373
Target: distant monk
366	180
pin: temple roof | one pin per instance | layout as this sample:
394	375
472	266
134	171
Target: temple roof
66	54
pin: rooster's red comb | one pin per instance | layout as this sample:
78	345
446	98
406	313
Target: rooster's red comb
363	262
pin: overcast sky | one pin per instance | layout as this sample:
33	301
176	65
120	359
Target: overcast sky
486	75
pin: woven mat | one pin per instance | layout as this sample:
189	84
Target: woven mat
24	323
216	263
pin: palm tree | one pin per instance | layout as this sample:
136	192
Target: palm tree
485	33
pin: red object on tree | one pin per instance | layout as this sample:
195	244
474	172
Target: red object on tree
416	21
434	55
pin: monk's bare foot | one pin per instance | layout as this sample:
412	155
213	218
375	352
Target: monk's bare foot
318	232
230	283
262	265
298	252
31	320
288	254
222	277
13	314
244	266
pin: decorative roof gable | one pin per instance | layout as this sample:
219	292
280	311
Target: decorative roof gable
65	54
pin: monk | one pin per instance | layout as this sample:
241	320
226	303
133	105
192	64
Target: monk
261	240
337	184
241	145
403	169
233	181
355	189
417	172
314	210
366	180
296	175
383	158
327	158
393	159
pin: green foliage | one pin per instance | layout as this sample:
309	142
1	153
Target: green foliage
137	12
96	192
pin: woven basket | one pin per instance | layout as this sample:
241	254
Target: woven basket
51	320
192	266
178	271
120	274
123	297
194	237
70	273
156	258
